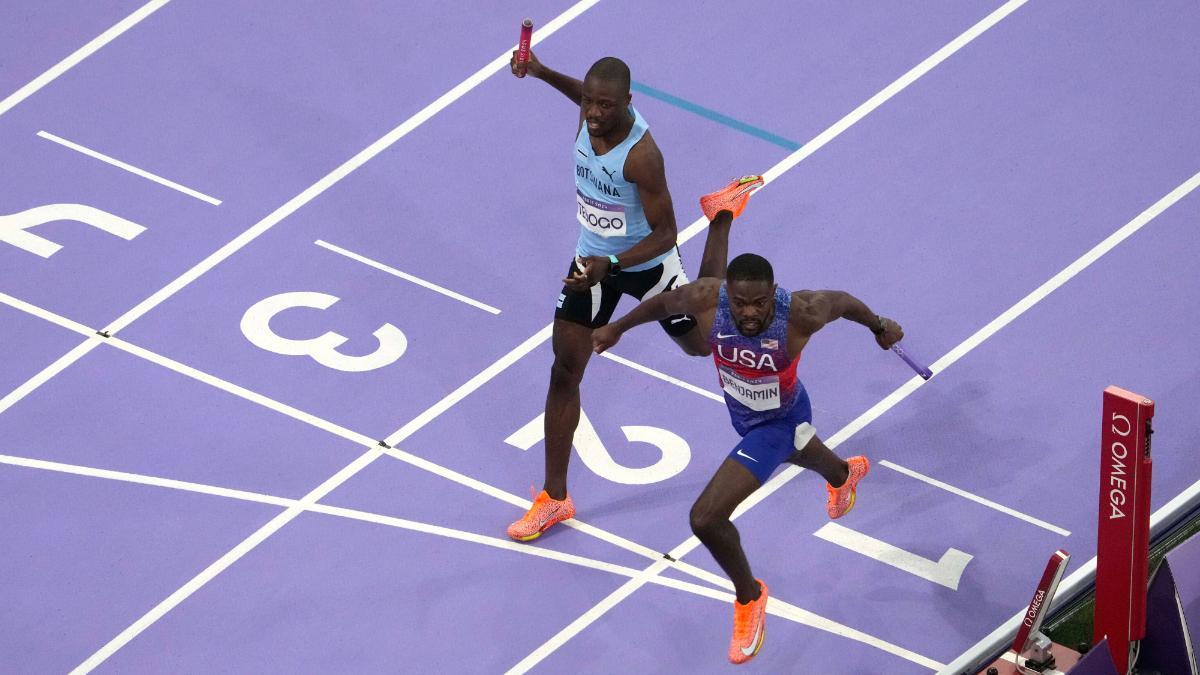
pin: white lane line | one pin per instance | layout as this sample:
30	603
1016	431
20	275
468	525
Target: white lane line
1081	263
129	167
794	613
336	511
221	564
778	607
975	498
902	392
346	168
336	430
464	390
586	619
45	315
1070	587
142	479
80	54
884	95
786	610
407	277
59	364
775	606
241	392
664	377
363	439
27	387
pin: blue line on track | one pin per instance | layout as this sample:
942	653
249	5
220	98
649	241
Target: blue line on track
714	116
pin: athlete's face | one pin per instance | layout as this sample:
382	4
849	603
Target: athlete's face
605	103
752	304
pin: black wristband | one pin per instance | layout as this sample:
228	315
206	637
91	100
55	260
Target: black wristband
882	325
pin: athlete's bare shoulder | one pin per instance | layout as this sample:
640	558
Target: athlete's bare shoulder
808	311
645	164
700	295
706	286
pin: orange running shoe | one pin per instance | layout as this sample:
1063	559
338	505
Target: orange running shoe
841	499
732	197
544	513
749	627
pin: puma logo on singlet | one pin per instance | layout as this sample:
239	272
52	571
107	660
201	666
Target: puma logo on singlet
608	173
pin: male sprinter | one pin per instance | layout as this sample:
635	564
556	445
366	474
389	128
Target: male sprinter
626	245
757	331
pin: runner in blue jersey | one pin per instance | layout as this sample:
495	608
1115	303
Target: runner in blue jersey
757	331
626	246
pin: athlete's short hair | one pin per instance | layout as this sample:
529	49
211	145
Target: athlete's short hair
611	69
750	267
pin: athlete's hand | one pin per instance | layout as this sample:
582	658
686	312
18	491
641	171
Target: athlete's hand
595	268
533	67
892	333
577	280
605	337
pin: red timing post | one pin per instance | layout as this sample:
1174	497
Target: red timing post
1123	544
1036	611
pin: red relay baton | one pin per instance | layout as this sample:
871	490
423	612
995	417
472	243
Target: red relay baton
523	46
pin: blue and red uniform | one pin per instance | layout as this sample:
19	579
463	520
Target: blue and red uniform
767	404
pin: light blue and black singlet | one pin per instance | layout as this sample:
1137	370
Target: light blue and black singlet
608	208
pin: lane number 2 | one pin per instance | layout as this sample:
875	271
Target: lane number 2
675	453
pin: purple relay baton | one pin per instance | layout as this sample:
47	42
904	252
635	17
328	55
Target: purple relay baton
924	372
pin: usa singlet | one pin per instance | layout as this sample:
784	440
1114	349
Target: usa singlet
768	406
756	373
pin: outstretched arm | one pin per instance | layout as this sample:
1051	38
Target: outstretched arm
694	298
569	86
811	310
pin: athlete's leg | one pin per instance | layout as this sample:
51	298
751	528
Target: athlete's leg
722	207
807	449
730	486
842	477
577	313
572	348
693	342
716	246
761	450
716	253
815	456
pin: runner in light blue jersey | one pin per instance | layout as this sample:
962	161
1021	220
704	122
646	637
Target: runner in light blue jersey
610	214
626	246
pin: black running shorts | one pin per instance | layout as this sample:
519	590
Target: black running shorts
594	307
